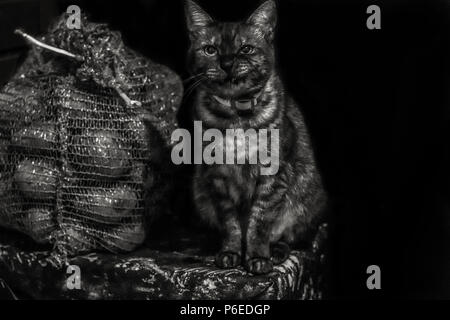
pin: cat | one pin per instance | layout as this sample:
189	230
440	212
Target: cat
258	215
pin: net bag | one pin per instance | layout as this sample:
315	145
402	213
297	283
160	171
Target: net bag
82	124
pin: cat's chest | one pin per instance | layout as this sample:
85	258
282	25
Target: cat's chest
241	148
237	173
242	178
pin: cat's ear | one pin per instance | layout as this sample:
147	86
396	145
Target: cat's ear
196	17
265	17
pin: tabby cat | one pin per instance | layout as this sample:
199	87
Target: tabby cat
238	87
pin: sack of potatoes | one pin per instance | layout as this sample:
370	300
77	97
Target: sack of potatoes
77	142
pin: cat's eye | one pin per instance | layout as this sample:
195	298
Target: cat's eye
247	49
210	50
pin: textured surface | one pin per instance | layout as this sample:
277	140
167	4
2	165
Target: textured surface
159	274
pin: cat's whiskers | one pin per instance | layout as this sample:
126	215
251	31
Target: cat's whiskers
195	76
193	86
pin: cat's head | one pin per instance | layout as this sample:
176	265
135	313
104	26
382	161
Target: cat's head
234	59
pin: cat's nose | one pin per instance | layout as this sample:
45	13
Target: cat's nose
227	64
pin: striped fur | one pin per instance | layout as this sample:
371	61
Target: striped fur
252	211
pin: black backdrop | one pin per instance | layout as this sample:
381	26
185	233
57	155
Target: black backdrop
377	105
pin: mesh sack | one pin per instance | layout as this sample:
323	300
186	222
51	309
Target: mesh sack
79	139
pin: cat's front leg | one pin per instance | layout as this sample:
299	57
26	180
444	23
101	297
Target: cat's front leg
225	197
229	255
266	209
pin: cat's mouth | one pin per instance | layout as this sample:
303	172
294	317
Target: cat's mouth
235	91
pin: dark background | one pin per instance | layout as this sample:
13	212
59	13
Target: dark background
376	103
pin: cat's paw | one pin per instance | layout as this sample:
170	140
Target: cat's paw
259	265
279	252
228	259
